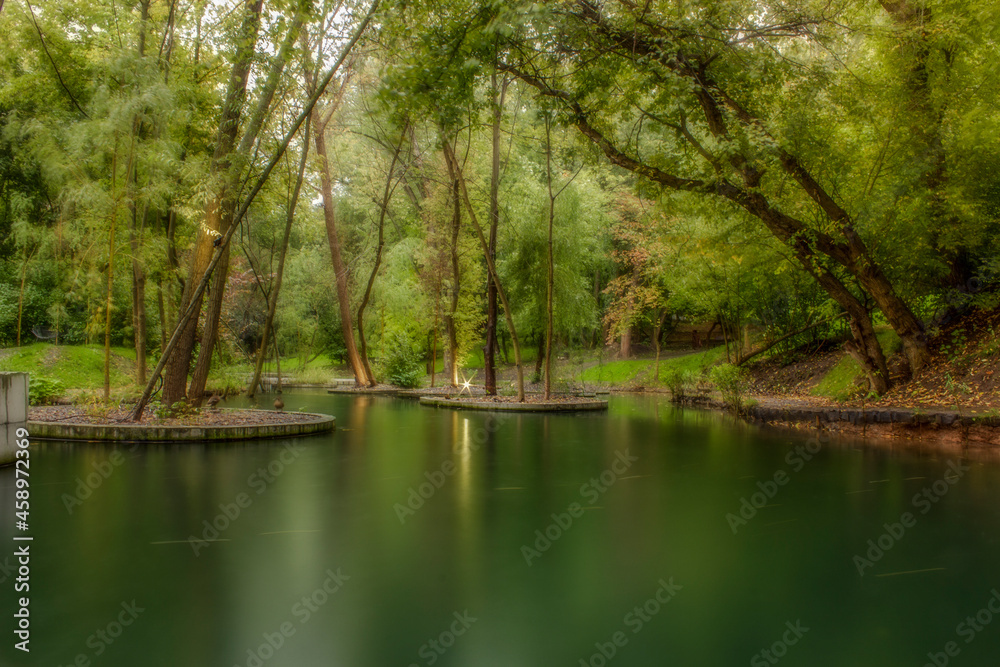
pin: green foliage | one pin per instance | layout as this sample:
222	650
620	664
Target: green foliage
104	137
732	382
43	390
400	361
680	382
176	410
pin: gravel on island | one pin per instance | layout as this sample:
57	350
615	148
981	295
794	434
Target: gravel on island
71	414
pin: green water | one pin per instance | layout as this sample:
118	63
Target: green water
334	505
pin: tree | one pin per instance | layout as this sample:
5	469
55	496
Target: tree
679	63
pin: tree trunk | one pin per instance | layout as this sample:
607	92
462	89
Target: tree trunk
340	270
489	355
175	379
549	261
20	297
657	332
540	359
138	300
383	207
434	354
491	265
272	305
161	310
210	330
926	129
456	277
625	347
111	276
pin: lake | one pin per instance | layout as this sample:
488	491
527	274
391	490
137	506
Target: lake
647	535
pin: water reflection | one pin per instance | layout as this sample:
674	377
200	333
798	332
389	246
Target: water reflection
333	507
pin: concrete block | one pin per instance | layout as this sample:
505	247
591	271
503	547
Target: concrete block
13	398
8	442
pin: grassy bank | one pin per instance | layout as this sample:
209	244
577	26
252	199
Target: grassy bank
75	366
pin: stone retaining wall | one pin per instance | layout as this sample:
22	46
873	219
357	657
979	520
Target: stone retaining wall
506	406
945	427
145	433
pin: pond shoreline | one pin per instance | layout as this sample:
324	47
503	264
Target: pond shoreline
940	426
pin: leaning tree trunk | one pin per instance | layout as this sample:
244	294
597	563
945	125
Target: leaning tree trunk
272	305
175	378
848	250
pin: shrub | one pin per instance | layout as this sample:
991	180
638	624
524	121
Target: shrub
681	383
179	409
45	390
399	361
732	383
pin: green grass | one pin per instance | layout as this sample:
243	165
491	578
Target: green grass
839	382
632	370
321	361
617	372
76	366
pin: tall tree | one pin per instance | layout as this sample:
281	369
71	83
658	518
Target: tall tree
236	170
214	226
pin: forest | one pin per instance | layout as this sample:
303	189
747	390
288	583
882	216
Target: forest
409	190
